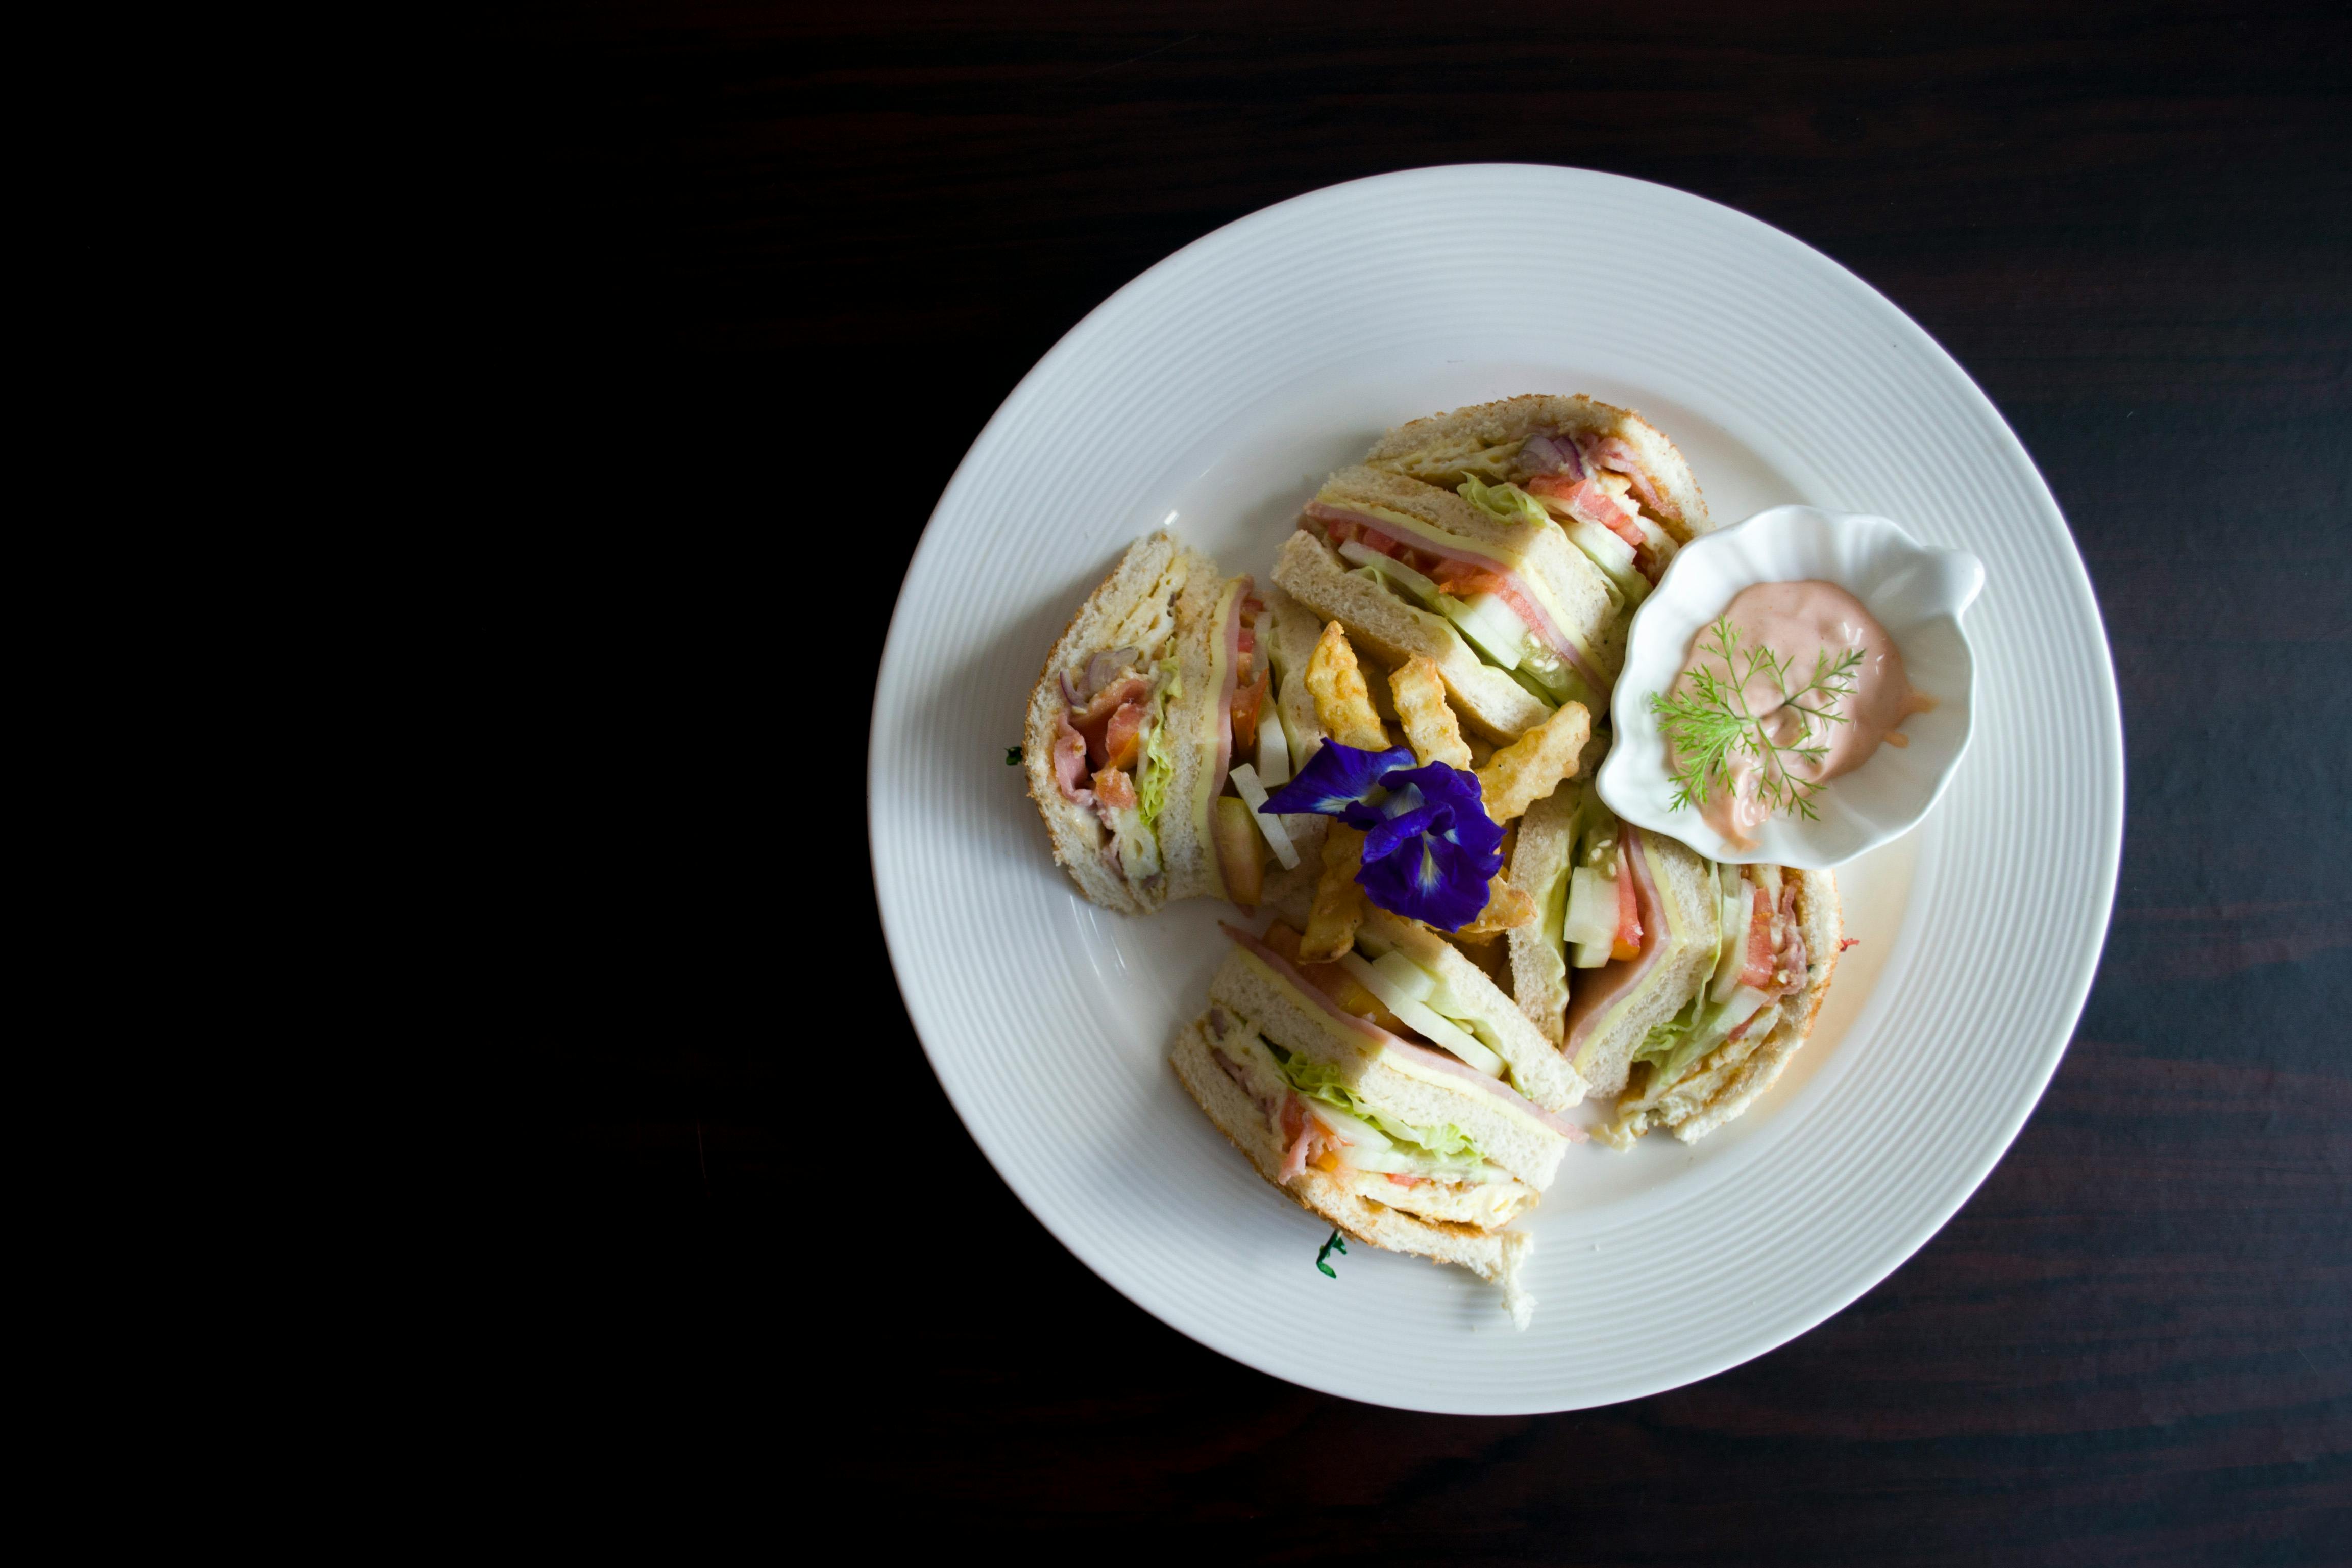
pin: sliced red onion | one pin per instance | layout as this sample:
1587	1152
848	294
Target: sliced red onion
1104	668
1069	694
1551	455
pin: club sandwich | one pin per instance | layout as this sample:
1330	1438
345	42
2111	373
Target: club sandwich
1680	986
1171	705
1395	1142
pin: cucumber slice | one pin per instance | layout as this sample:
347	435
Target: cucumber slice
1277	837
1441	1033
1410	978
1493	626
1397	572
1273	748
1591	918
1732	949
1536	689
1362	1134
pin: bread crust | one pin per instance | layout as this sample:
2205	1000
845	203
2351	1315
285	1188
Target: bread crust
1498	1257
1132	603
1432	449
1821	918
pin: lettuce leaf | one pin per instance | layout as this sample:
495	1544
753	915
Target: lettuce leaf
1667	1047
1509	502
1153	774
1317	1080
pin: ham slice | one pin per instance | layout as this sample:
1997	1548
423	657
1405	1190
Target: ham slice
1613	453
1793	959
1307	1137
1613	980
1096	719
1070	763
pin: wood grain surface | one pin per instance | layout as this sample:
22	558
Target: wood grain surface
731	278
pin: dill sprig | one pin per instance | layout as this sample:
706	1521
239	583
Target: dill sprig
1712	723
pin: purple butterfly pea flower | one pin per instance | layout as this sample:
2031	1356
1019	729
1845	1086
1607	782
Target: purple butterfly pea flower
1430	848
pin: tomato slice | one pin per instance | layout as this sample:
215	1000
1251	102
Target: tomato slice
1461	579
1115	789
1096	720
1123	736
1247	707
1588	499
1627	942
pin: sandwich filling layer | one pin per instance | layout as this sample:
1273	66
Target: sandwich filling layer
1412	1059
1761	960
1501	608
1580	477
1250	748
1128	712
1110	749
1438	1171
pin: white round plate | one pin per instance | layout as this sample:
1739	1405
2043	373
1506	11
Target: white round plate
1211	394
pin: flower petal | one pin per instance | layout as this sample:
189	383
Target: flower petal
1387	803
1430	848
1385	838
1431	880
1337	778
1440	786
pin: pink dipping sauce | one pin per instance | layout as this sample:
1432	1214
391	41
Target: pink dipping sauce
1798	622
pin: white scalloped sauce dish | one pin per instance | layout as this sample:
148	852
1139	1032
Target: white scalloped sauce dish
1916	592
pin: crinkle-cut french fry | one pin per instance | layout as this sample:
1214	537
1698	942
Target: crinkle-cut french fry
1507	908
1532	766
1342	701
1338	903
1430	727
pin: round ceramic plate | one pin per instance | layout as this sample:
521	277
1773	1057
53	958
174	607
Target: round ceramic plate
1210	396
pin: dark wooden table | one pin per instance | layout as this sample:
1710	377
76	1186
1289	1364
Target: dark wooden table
761	273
